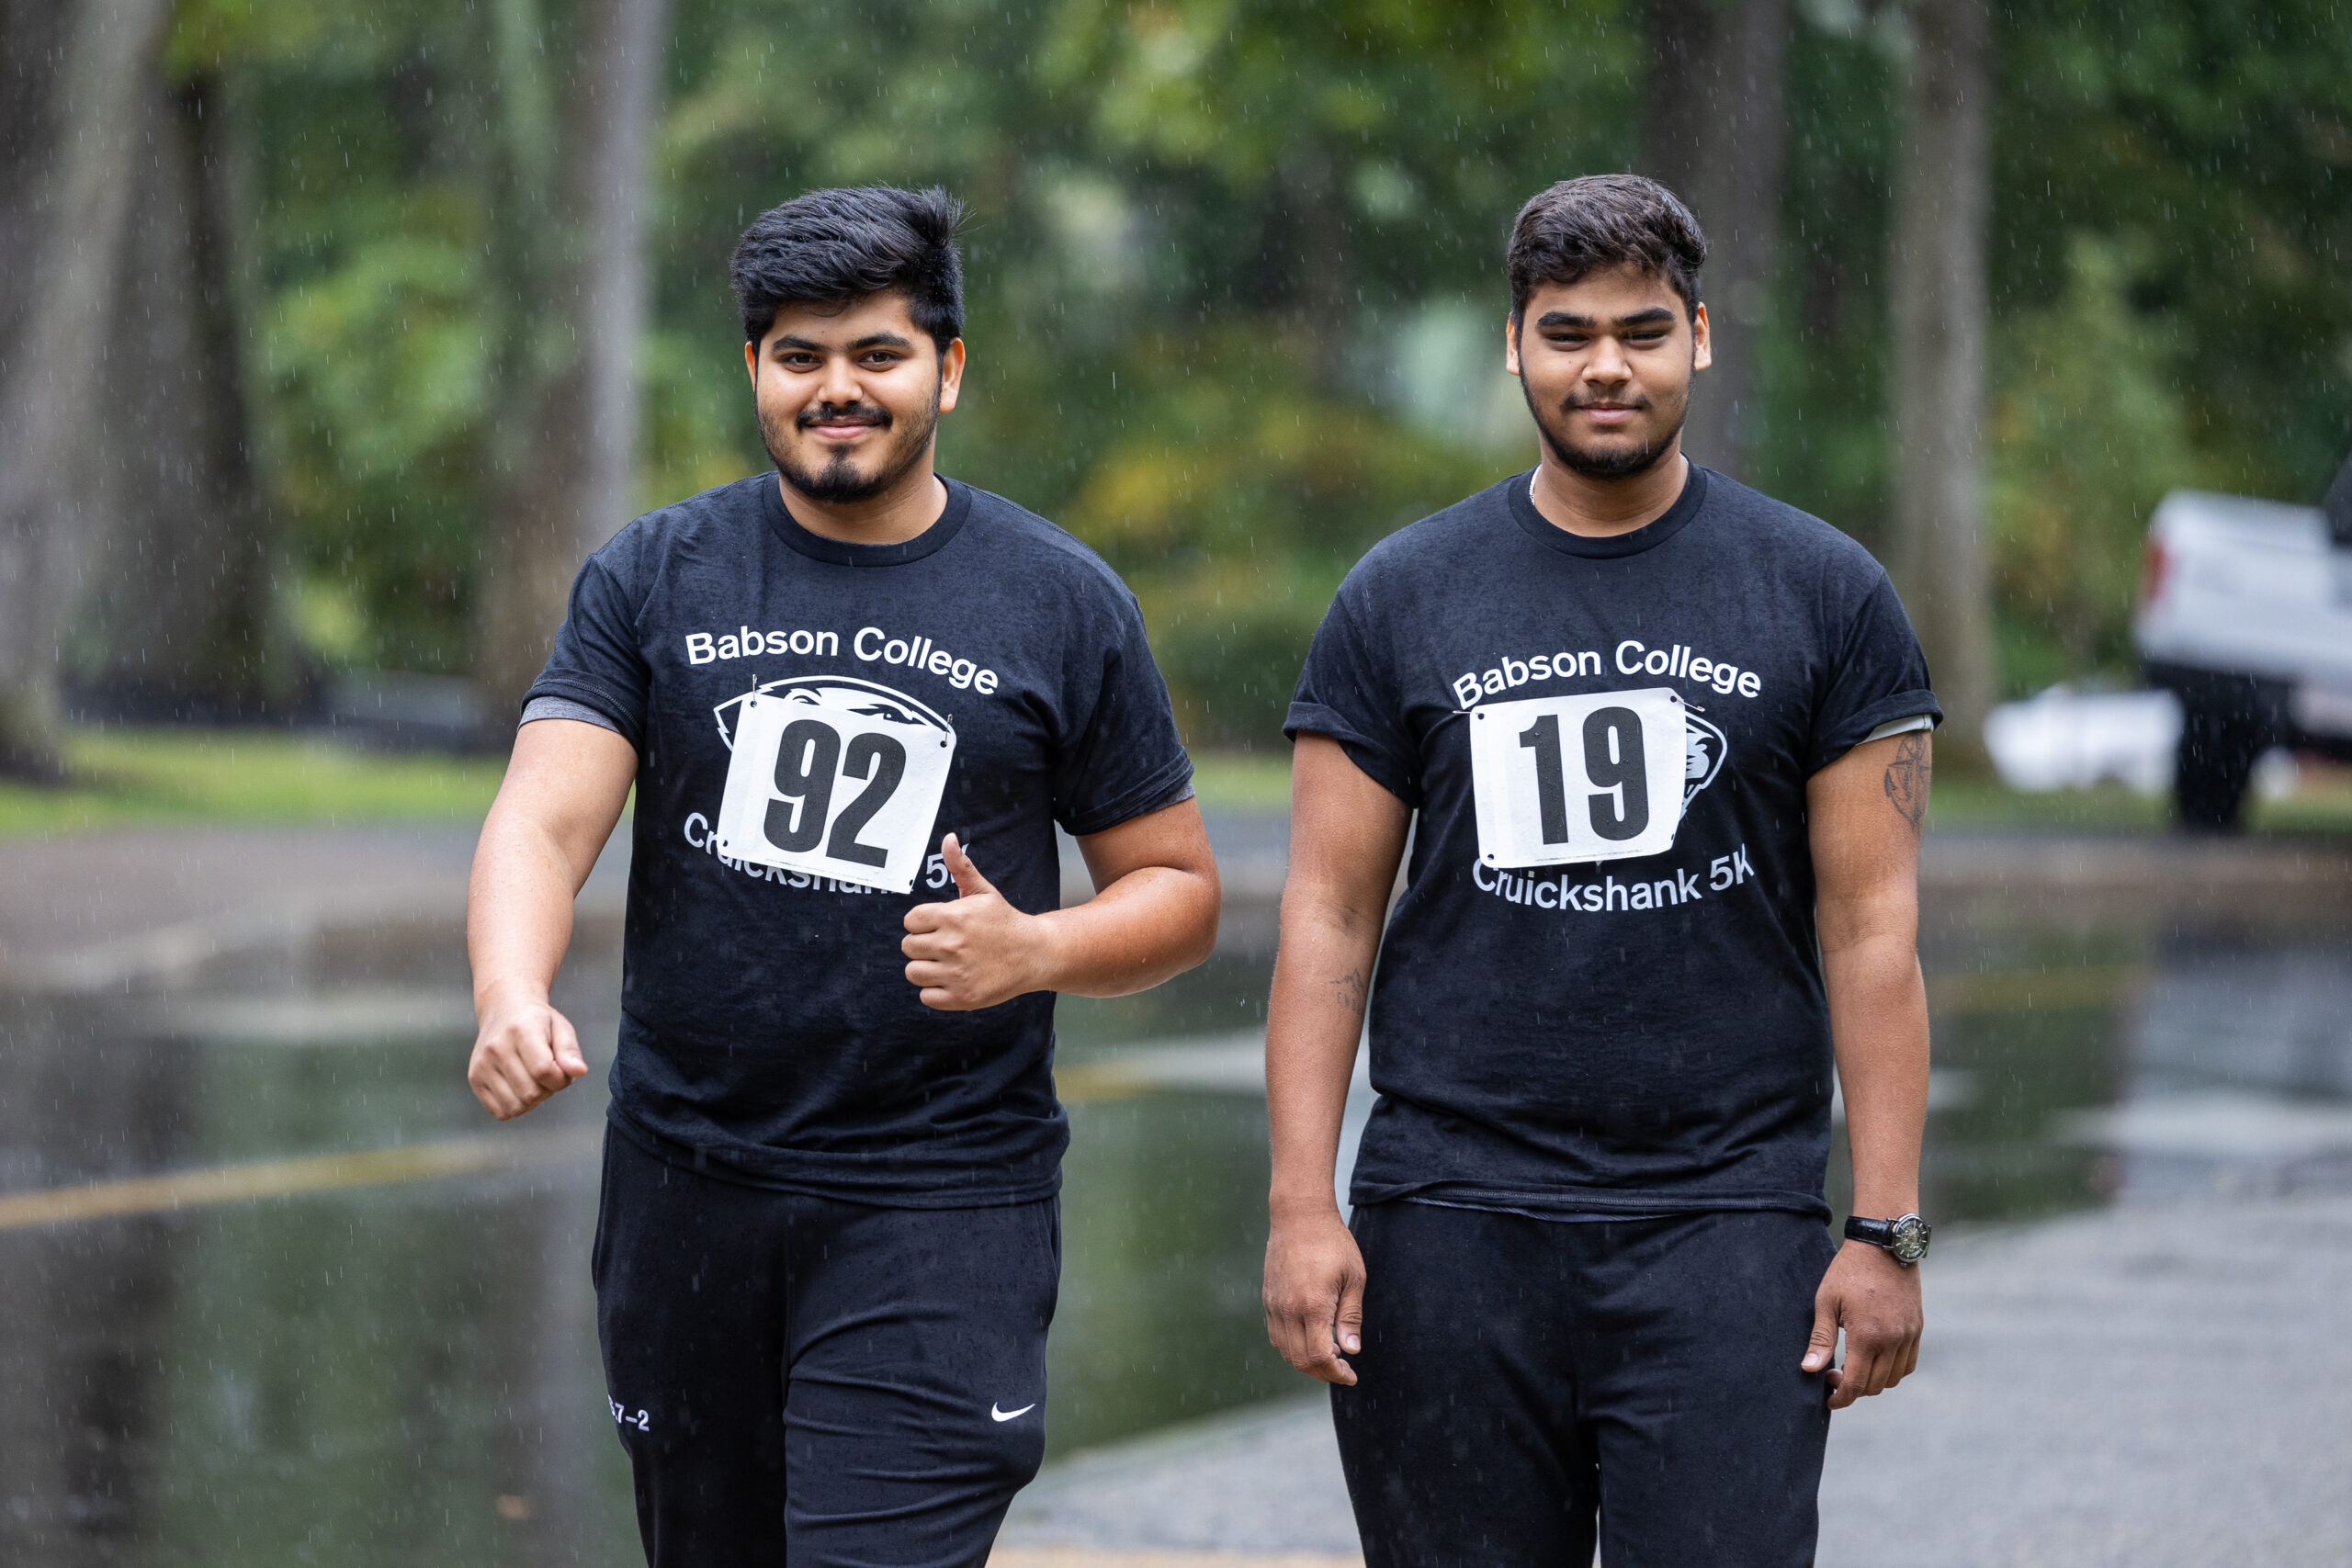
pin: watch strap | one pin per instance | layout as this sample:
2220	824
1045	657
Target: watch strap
1904	1238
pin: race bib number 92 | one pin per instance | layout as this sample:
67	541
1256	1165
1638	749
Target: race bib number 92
845	789
1563	780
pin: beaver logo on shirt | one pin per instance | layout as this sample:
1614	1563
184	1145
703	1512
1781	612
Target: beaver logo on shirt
1703	746
838	693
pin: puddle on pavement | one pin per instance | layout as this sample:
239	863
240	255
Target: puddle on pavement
370	1360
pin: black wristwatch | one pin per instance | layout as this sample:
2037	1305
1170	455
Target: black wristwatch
1905	1237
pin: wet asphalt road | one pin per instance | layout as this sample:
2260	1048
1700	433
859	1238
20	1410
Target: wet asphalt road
272	1290
2150	1386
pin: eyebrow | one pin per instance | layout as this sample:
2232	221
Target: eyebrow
1650	317
871	340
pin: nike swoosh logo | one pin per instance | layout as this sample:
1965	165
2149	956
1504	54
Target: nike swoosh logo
997	1414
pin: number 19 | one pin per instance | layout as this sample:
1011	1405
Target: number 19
1614	762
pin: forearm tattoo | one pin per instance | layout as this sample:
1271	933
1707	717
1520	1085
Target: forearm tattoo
1347	991
1907	778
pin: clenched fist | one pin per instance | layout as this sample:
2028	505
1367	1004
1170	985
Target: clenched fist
524	1052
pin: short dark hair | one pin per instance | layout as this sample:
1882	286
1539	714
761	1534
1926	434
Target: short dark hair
832	246
1599	223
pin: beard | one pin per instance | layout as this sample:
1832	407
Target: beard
841	480
1608	462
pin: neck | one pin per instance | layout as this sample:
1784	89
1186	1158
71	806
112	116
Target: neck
1577	503
893	518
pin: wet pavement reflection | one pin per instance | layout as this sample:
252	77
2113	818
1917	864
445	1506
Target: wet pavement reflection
274	1291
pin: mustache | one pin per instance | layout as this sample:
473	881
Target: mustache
838	413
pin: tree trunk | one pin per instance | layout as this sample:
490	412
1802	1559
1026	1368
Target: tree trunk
71	71
578	310
1943	193
182	601
1715	132
1322	269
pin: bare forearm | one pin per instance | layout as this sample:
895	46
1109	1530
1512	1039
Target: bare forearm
1347	838
563	791
518	911
1150	926
1315	1275
1315	1019
1878	1018
1866	810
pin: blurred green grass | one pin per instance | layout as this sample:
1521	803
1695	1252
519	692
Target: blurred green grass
120	776
2323	805
162	775
1260	780
1242	781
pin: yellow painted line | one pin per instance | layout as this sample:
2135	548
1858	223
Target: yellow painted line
2020	990
249	1179
1088	1557
1995	992
1091	1081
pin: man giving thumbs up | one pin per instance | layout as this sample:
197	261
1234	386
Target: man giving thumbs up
830	1243
979	950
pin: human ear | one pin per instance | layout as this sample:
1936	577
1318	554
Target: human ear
951	375
752	362
1510	345
1703	352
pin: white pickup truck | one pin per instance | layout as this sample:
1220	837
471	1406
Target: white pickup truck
2246	614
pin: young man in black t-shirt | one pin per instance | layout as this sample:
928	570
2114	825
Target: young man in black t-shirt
1667	741
829	1243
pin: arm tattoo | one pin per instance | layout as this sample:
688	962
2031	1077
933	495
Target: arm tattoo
1347	991
1907	778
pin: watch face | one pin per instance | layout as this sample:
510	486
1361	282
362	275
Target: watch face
1909	1240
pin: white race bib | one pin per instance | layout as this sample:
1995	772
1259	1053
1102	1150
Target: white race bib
1563	780
825	784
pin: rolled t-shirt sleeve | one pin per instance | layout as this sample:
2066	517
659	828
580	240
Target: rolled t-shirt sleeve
1122	758
1879	675
1347	691
597	662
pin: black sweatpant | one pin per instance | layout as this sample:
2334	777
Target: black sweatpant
1522	1377
807	1383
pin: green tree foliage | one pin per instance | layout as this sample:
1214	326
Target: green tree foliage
1825	358
2213	144
2088	433
378	324
1236	277
2173	217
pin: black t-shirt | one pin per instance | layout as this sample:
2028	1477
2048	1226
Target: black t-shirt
809	717
1601	991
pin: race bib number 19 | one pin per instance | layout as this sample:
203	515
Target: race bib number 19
833	792
1562	779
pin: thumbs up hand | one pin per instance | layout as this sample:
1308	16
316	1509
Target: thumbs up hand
978	950
970	883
